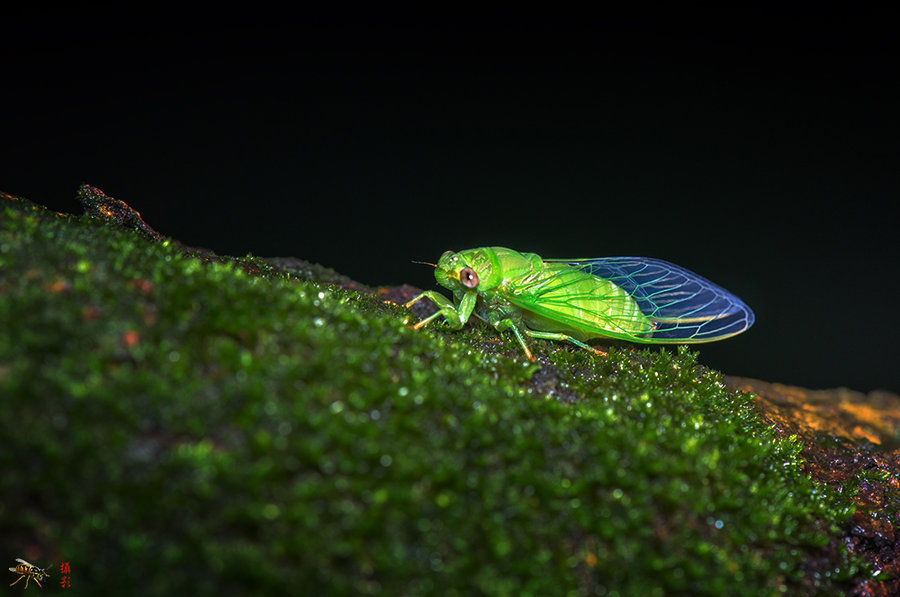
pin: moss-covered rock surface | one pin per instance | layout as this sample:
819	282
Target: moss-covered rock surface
180	424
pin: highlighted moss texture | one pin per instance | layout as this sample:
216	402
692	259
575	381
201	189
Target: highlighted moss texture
175	425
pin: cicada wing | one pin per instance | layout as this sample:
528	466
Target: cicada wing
563	298
682	306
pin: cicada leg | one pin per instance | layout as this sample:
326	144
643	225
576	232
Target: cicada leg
445	308
509	324
556	336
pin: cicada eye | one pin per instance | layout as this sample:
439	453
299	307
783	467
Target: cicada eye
468	277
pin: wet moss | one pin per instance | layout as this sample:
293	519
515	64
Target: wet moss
176	424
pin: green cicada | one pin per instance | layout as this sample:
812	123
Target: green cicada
626	298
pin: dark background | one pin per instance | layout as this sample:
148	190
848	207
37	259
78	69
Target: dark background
759	150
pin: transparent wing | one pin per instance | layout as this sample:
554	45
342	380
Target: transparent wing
682	306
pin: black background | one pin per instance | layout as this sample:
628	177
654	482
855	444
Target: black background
759	150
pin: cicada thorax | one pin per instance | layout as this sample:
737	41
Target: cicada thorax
492	307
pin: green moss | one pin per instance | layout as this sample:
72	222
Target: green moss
176	425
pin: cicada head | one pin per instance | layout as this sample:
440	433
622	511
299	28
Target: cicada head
466	271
